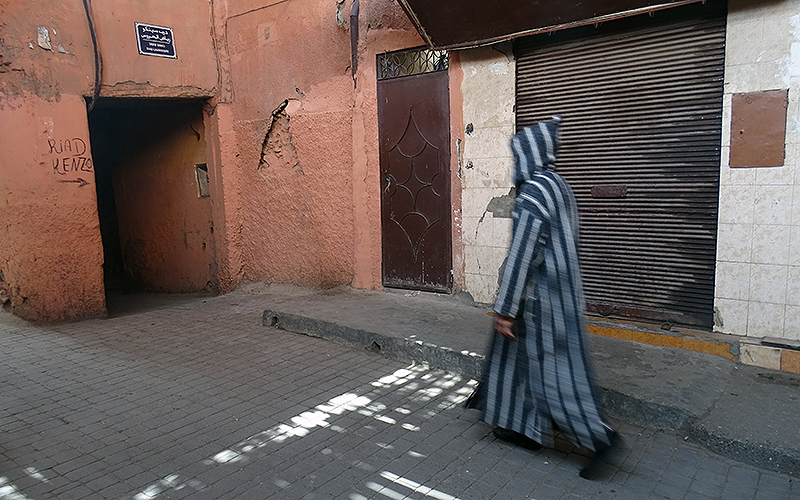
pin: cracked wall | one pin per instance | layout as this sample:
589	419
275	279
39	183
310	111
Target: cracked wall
287	142
487	194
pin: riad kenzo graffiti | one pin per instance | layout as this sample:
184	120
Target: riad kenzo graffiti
69	155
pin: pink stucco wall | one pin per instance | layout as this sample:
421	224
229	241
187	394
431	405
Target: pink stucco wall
302	196
291	139
50	251
50	247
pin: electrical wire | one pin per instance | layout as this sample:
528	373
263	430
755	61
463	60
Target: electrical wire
98	60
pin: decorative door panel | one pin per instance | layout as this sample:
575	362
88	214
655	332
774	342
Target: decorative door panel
413	119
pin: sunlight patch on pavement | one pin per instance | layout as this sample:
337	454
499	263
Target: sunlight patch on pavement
9	492
417	487
414	486
301	425
32	472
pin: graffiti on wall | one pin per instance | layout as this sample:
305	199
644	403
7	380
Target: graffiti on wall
68	156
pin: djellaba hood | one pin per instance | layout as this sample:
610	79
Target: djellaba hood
535	148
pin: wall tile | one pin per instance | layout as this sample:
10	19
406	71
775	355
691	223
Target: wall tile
481	288
488	142
775	175
795	206
484	231
792	322
732	281
469	228
727	106
733	314
495	259
743	176
475	201
794	246
502	232
744	42
768	283
734	242
772	205
771	244
765	320
793	286
736	204
478	173
754	77
471	263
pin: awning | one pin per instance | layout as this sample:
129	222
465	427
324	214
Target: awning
447	24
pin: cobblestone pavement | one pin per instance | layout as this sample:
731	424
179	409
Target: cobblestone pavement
195	399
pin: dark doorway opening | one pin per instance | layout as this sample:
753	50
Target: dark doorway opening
153	197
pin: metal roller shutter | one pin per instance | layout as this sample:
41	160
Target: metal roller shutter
641	100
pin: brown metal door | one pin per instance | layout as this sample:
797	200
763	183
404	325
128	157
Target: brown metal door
413	121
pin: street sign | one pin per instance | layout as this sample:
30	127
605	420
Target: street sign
155	41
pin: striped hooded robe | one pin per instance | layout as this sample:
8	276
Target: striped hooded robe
542	377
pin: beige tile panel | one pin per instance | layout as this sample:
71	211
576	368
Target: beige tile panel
791	324
743	176
756	355
475	201
481	287
776	175
733	314
488	142
477	173
794	249
794	218
501	237
772	205
793	288
469	229
754	77
744	43
732	280
734	242
768	283
765	320
736	204
471	263
771	244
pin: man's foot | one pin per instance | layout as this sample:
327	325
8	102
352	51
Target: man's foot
516	438
592	470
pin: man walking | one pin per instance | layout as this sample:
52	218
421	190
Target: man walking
537	374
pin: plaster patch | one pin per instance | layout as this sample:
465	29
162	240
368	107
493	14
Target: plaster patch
499	68
43	38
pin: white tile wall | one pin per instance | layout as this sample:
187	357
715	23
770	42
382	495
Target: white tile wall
488	91
757	289
758	246
792	323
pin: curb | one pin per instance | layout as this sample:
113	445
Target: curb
617	404
468	365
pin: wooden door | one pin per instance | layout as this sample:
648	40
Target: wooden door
414	128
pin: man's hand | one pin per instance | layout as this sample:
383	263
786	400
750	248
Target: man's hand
503	325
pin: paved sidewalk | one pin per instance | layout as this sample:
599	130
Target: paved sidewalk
194	398
743	412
